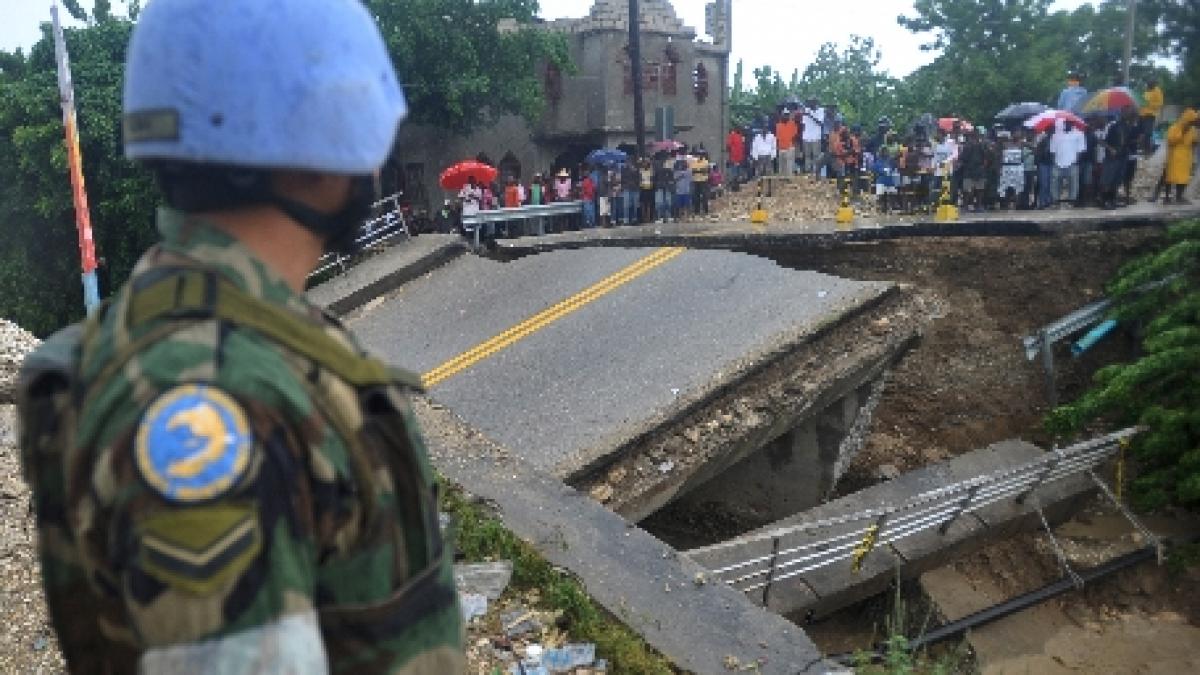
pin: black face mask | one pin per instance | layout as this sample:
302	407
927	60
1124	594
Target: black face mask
340	230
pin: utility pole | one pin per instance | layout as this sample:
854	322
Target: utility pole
83	219
635	60
1130	14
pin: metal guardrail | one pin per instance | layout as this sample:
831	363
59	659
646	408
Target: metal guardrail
377	230
793	553
491	218
1084	317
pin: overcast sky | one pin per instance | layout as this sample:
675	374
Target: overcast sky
782	33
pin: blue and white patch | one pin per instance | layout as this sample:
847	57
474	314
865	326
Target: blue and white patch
193	444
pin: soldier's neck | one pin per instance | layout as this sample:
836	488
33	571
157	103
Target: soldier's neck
288	248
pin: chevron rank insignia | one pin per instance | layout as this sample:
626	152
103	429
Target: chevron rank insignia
201	549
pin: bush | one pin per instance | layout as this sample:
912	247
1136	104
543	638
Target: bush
1160	293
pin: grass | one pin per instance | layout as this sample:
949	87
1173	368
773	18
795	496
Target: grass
480	536
897	655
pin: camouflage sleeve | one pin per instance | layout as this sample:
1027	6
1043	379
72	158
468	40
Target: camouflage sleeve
269	513
205	525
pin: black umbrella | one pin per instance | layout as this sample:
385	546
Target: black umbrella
1021	111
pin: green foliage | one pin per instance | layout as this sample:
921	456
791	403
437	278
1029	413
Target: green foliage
897	654
1161	389
39	265
850	76
991	53
480	536
458	70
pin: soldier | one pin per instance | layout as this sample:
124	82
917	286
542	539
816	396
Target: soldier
223	481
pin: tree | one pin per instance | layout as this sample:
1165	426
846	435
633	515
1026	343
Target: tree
1161	389
848	76
997	52
1179	38
39	264
852	79
458	68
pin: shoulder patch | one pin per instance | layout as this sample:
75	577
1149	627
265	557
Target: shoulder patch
193	444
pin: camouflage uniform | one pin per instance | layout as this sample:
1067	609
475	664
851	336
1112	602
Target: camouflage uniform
238	482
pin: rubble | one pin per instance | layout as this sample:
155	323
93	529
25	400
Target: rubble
15	344
799	199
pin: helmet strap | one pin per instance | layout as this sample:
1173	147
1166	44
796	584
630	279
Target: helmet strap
339	230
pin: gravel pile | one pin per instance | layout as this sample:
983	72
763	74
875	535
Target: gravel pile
799	199
15	343
27	642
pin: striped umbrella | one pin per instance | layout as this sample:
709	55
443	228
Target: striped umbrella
1111	101
1045	120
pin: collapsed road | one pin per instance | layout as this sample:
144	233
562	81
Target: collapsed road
642	374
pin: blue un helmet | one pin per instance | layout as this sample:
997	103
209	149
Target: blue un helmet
231	89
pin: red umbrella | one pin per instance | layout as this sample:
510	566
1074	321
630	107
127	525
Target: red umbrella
455	177
1044	120
947	124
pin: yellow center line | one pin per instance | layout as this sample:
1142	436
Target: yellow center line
549	315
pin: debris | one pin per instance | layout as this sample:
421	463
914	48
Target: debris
616	475
519	622
487	579
472	605
881	325
692	434
700	579
666	466
887	472
731	662
601	492
569	656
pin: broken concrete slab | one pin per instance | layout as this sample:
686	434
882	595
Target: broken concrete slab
663	596
379	273
827	588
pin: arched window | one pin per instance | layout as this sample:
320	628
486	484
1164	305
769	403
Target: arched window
553	83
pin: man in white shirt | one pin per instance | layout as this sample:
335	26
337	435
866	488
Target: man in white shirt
763	150
812	116
471	196
1066	145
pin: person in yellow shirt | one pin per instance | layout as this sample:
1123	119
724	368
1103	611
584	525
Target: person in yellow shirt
1149	114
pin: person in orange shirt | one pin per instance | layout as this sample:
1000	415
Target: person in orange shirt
785	136
512	194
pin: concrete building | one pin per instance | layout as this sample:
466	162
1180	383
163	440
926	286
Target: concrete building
683	83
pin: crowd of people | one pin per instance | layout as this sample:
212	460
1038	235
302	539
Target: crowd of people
1086	162
669	184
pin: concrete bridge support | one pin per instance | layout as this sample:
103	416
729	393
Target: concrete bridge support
797	470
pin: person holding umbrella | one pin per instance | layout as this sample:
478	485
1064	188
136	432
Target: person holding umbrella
1112	172
471	197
